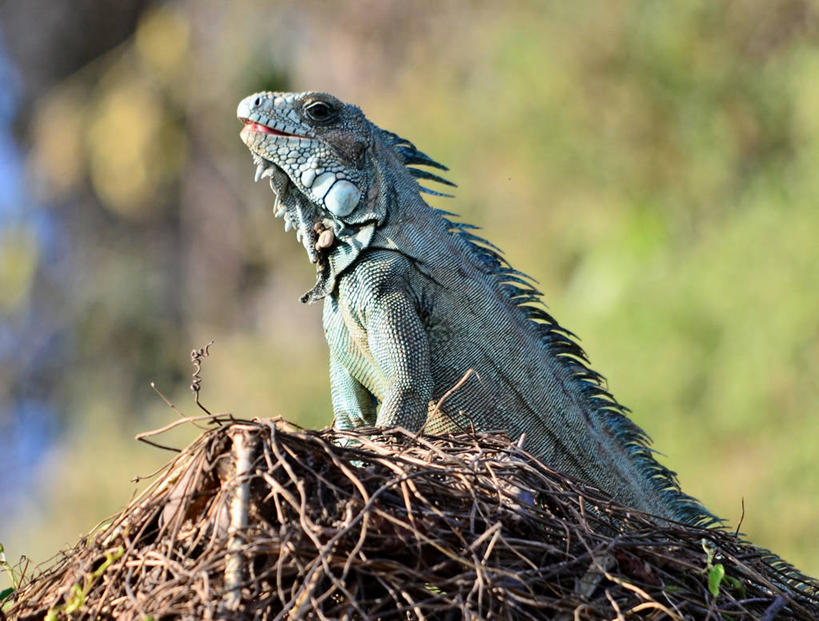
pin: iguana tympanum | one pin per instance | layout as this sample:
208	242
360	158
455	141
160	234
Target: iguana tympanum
413	300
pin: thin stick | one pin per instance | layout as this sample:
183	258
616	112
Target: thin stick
243	449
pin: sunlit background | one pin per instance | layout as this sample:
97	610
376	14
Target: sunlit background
655	165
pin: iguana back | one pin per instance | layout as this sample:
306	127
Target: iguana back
414	301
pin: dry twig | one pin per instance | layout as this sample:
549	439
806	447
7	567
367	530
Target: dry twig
393	526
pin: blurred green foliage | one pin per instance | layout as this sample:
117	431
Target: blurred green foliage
652	164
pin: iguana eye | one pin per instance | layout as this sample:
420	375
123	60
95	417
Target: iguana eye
319	111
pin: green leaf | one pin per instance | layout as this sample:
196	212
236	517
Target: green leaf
75	599
715	576
6	593
736	585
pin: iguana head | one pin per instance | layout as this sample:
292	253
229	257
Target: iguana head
315	139
332	170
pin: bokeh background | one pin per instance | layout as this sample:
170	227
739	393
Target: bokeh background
655	165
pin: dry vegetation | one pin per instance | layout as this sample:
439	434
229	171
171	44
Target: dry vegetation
257	519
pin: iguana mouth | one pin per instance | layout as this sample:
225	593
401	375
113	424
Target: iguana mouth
253	126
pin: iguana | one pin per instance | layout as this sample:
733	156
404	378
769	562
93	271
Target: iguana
428	325
414	300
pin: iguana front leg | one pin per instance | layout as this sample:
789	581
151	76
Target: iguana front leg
353	404
378	346
398	344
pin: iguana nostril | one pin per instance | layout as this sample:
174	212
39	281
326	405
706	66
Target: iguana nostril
257	102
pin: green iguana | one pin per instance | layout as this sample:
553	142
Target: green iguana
413	300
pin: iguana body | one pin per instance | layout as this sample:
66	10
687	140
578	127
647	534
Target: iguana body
413	301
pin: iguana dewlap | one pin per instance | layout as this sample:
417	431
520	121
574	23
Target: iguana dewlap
414	300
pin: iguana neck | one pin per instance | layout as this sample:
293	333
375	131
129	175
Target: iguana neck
393	209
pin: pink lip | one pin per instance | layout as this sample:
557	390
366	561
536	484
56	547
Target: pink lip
264	129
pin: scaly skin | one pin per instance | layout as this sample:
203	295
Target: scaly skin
413	301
